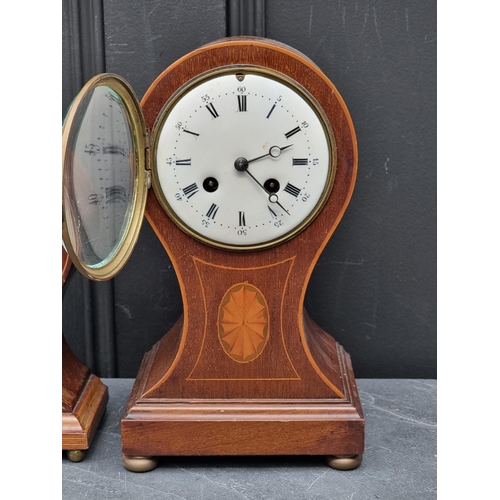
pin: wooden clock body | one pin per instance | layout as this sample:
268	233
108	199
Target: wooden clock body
299	395
84	397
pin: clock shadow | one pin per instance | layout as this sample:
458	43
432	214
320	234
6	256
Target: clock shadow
243	462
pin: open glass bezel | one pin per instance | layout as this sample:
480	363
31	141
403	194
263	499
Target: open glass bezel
110	266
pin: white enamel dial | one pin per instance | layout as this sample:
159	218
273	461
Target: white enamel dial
243	159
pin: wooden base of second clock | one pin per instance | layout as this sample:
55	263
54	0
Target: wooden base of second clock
333	428
84	400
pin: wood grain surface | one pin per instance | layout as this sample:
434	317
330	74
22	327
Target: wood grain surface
84	396
300	365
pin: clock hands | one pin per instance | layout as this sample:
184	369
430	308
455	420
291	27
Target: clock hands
273	197
241	164
274	152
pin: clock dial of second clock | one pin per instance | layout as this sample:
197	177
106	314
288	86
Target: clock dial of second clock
242	159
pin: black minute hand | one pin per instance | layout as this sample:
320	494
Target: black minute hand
273	197
274	152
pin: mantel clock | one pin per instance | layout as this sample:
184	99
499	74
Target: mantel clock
251	156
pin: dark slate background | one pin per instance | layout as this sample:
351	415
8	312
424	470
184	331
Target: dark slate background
374	288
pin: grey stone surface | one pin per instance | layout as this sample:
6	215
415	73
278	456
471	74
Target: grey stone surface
399	461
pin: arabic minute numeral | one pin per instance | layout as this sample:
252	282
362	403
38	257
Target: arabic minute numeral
95	199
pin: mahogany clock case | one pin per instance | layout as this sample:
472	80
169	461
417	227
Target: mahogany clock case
380	264
84	396
299	396
383	256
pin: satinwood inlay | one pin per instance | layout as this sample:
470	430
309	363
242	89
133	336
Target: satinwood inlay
298	394
243	323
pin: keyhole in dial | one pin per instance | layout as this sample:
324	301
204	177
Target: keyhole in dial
272	185
210	184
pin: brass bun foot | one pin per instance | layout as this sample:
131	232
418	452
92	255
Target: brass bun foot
140	464
75	455
344	462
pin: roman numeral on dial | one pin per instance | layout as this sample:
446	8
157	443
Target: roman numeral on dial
212	110
241	216
292	132
299	161
183	162
242	103
189	132
291	189
191	190
212	211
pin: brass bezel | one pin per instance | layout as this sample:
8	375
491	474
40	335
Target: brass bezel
139	137
245	69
